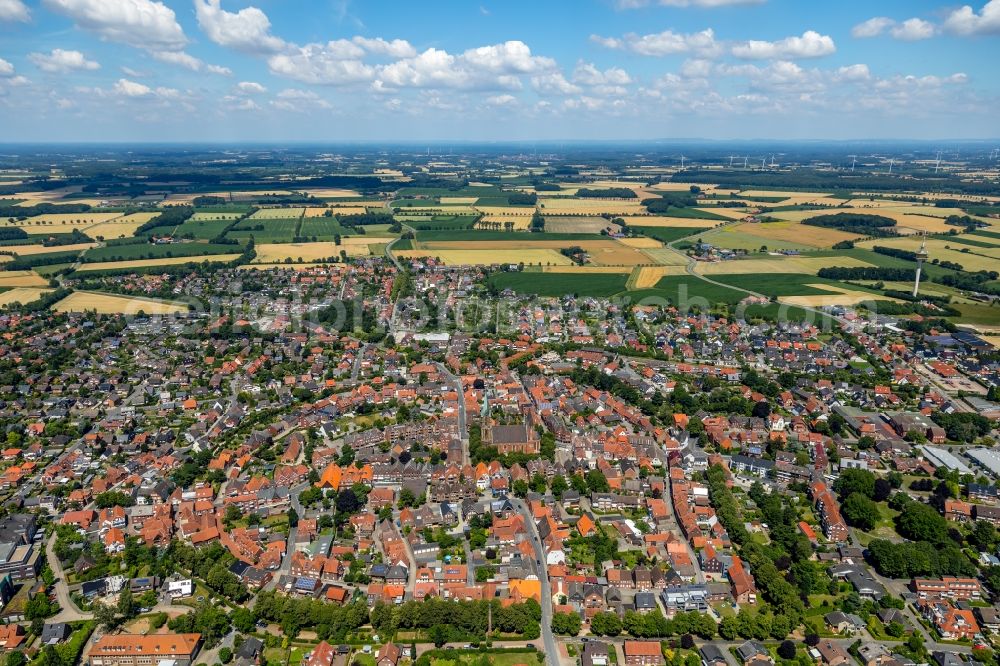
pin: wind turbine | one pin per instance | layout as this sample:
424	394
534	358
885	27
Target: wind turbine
854	160
762	160
937	165
772	159
921	258
682	161
892	160
746	160
732	156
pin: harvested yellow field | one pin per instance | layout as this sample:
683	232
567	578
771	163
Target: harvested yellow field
268	267
22	295
602	252
845	297
209	216
27	250
272	253
488	222
668	186
788	194
666	256
665	221
6	257
84	301
74	219
640	242
278	214
805	265
449	201
22	279
507	211
590	206
648	276
489	257
969	257
164	261
584	270
792	232
120	227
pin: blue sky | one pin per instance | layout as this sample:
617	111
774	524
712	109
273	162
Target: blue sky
336	70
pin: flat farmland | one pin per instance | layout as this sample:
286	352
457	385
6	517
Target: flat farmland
324	228
22	295
210	216
265	231
120	227
721	212
489	257
668	221
203	229
155	251
776	235
272	253
589	270
28	250
458	201
83	301
332	192
806	265
666	256
63	223
507	211
578	225
566	206
602	252
22	279
340	210
971	258
165	261
556	284
640	242
278	214
490	221
844	296
646	277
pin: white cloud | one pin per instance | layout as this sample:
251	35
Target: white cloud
247	30
330	64
587	74
501	100
663	43
128	88
965	20
250	88
810	45
188	61
909	30
554	83
293	99
859	72
912	30
61	61
873	27
134	73
485	67
397	48
6	69
13	10
146	24
240	103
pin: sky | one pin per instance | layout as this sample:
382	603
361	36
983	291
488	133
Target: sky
497	70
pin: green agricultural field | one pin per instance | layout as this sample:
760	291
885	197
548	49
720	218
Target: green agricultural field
560	284
669	234
212	215
696	214
265	231
323	228
473	235
148	251
203	229
987	234
438	222
978	314
675	288
787	284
